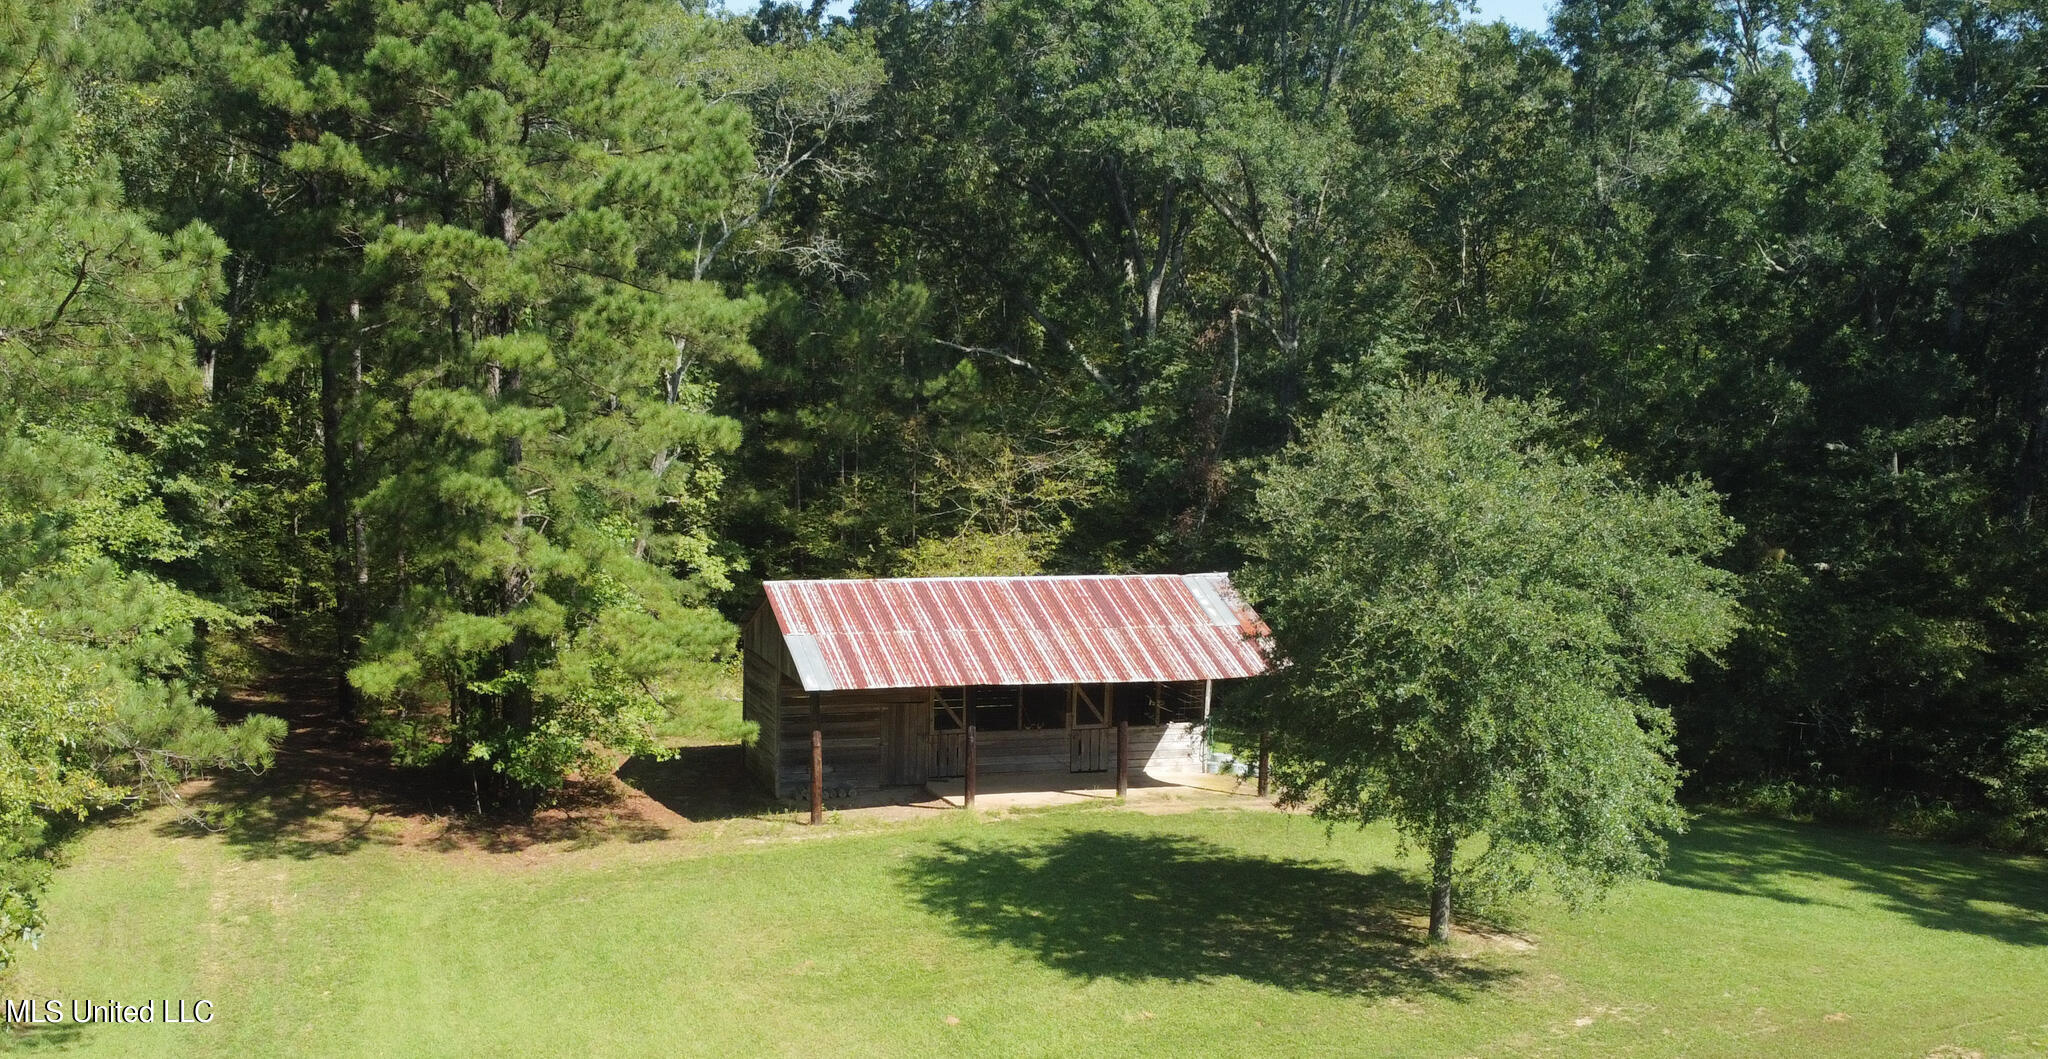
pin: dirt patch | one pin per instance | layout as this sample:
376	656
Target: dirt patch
334	789
1485	940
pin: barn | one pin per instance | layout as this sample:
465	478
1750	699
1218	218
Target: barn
862	684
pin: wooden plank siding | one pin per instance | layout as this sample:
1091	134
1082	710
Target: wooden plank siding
884	737
767	677
1175	747
1044	750
910	756
868	742
857	726
1091	749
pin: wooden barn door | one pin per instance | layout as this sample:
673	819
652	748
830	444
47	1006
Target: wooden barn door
1091	742
945	734
907	734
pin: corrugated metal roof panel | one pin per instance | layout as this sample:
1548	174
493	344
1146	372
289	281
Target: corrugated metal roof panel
946	631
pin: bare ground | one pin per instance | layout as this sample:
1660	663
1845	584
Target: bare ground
335	788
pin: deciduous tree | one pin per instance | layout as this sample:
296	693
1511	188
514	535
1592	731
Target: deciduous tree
1468	601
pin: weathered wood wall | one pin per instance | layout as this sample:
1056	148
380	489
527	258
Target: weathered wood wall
857	726
1175	747
1044	750
866	741
767	676
883	738
1091	749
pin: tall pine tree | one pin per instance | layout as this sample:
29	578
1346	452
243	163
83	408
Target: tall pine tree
486	219
100	402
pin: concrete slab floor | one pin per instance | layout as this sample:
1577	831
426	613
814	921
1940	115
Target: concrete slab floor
1018	790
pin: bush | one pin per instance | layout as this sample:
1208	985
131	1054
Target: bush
1905	814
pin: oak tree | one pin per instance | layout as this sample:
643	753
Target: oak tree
1468	603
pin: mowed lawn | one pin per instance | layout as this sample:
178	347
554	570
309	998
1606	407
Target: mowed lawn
1073	932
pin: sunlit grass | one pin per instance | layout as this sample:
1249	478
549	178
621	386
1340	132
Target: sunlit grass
1073	932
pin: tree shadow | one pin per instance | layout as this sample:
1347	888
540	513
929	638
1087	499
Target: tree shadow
585	815
699	783
279	821
1102	904
331	790
1936	886
334	789
40	1037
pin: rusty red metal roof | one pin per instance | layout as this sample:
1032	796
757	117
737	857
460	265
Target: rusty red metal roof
924	632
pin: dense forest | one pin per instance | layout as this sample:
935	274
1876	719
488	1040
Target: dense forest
497	352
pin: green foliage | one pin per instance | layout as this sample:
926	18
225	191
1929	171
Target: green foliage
2018	788
48	697
486	230
507	346
99	393
2010	824
1469	603
1789	250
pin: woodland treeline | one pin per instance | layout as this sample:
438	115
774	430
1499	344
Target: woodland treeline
497	351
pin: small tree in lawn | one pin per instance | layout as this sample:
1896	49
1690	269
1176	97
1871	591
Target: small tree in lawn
1468	603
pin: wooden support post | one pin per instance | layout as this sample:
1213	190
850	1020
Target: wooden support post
1123	757
1264	760
817	762
968	801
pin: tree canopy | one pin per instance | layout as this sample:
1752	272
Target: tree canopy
1468	603
498	351
109	567
483	243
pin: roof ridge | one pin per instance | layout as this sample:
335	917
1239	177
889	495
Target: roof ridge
983	577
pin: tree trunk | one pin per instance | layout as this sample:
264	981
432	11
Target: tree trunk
1440	893
360	535
2027	468
515	703
502	387
1265	761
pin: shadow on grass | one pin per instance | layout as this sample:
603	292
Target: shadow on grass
268	824
330	788
334	790
1100	904
41	1037
699	783
312	807
1938	886
584	816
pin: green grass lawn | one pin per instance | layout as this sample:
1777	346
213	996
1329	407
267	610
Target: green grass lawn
1088	931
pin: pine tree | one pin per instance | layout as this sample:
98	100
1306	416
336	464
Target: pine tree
99	391
491	217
